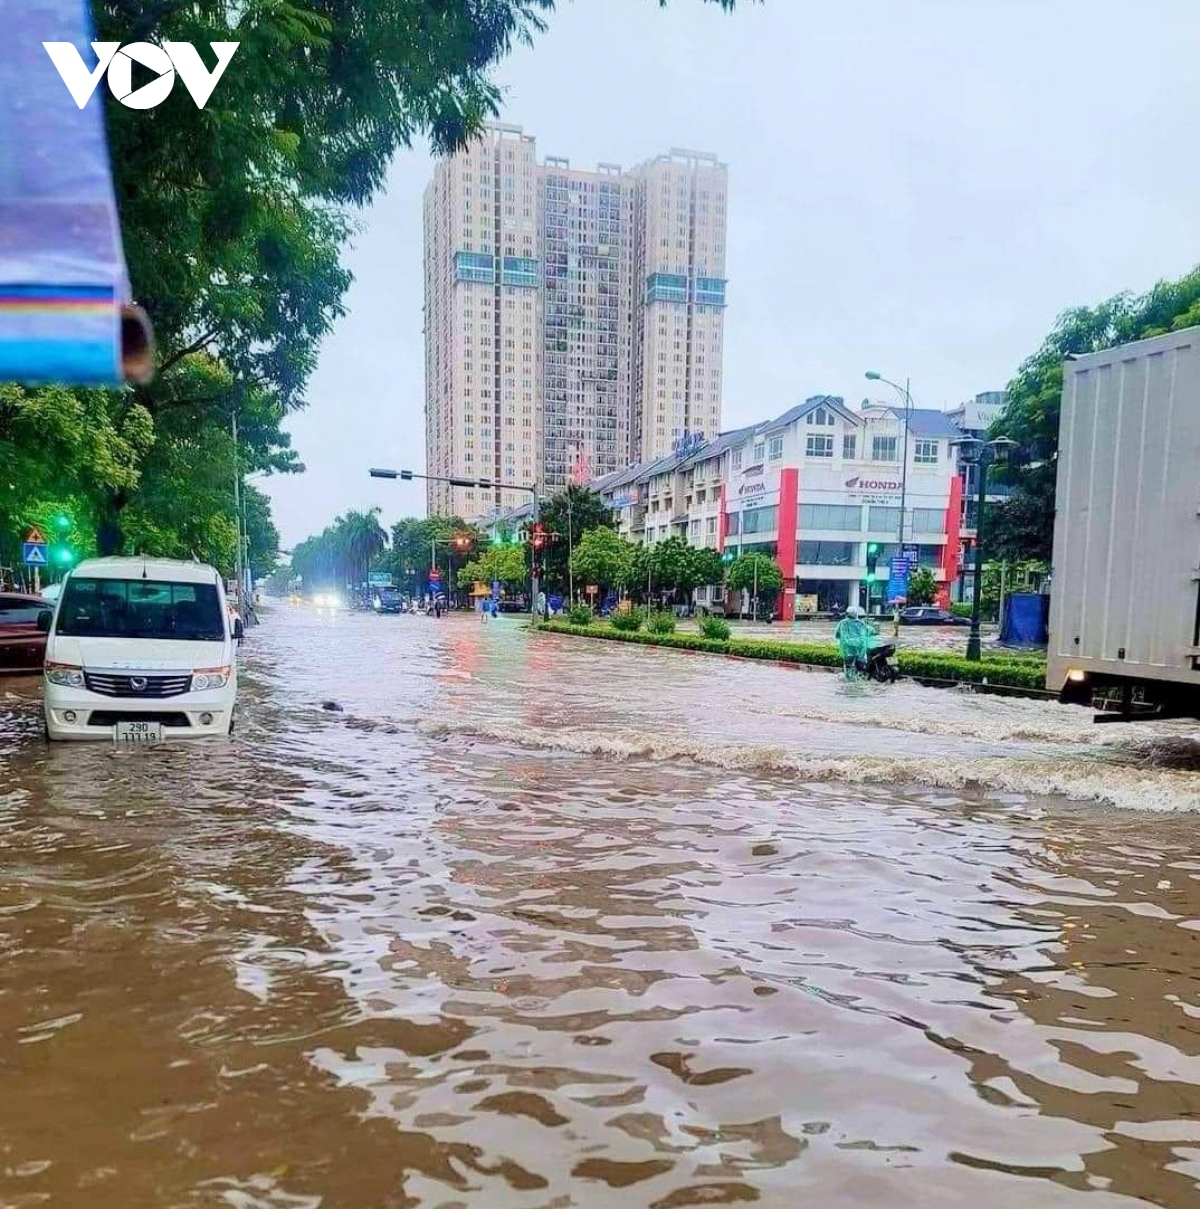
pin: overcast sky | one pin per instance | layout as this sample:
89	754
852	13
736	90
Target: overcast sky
916	186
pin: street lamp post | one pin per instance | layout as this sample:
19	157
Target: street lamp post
987	452
906	395
407	476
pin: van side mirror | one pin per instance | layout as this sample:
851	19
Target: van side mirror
238	629
45	619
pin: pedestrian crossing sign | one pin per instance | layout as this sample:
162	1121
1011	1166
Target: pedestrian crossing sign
33	554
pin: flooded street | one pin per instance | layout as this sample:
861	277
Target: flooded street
536	922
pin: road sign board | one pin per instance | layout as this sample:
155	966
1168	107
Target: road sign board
379	579
897	588
495	589
33	554
434	575
34	537
911	553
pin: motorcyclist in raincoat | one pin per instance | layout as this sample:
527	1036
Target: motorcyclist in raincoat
855	636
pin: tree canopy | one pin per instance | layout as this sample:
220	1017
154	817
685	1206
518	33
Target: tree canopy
602	557
504	563
755	572
343	553
570	514
1023	527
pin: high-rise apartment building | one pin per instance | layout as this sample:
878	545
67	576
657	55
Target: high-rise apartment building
680	270
573	319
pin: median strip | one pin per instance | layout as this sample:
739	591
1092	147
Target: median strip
1009	672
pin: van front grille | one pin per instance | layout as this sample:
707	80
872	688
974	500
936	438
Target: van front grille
109	684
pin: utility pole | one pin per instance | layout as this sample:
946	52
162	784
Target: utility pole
237	504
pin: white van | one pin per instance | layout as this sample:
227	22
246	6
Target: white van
138	650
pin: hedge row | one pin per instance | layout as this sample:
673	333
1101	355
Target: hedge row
1000	670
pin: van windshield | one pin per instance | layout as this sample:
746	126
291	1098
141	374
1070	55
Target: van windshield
140	608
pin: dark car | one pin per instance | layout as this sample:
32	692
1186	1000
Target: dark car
387	600
928	615
22	644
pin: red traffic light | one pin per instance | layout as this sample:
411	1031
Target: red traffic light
539	535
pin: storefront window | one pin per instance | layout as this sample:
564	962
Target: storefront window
827	554
883	520
760	520
846	517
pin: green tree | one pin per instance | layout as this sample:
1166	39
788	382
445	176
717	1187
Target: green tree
756	572
505	563
1023	527
708	569
262	538
343	553
602	557
922	587
570	514
675	566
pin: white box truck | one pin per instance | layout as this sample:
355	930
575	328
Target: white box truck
1125	607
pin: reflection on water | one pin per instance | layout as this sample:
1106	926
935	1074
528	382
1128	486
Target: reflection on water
537	922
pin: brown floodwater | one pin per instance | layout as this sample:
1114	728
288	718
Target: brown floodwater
535	922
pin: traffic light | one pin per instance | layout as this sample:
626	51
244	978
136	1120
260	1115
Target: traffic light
729	556
462	541
538	536
62	522
64	555
872	560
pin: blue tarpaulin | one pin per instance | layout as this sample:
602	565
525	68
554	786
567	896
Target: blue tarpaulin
1025	619
63	281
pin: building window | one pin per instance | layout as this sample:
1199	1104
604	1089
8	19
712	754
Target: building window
760	520
928	520
821	417
757	456
818	446
776	449
737	459
883	520
883	449
827	554
925	453
846	517
850	446
733	525
711	525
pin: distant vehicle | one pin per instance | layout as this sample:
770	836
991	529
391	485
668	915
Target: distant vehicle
928	615
387	600
1125	605
329	600
22	643
140	650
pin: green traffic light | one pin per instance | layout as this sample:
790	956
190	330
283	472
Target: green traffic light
64	556
63	521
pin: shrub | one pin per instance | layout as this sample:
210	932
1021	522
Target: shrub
960	608
628	623
715	628
579	614
661	623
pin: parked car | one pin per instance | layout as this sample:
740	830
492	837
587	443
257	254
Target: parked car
928	615
140	650
22	644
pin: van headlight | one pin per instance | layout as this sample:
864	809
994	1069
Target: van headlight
67	674
209	677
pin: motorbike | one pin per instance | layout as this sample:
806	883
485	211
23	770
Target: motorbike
880	663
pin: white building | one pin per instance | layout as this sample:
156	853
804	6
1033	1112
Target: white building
816	489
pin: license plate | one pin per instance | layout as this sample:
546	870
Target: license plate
138	732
